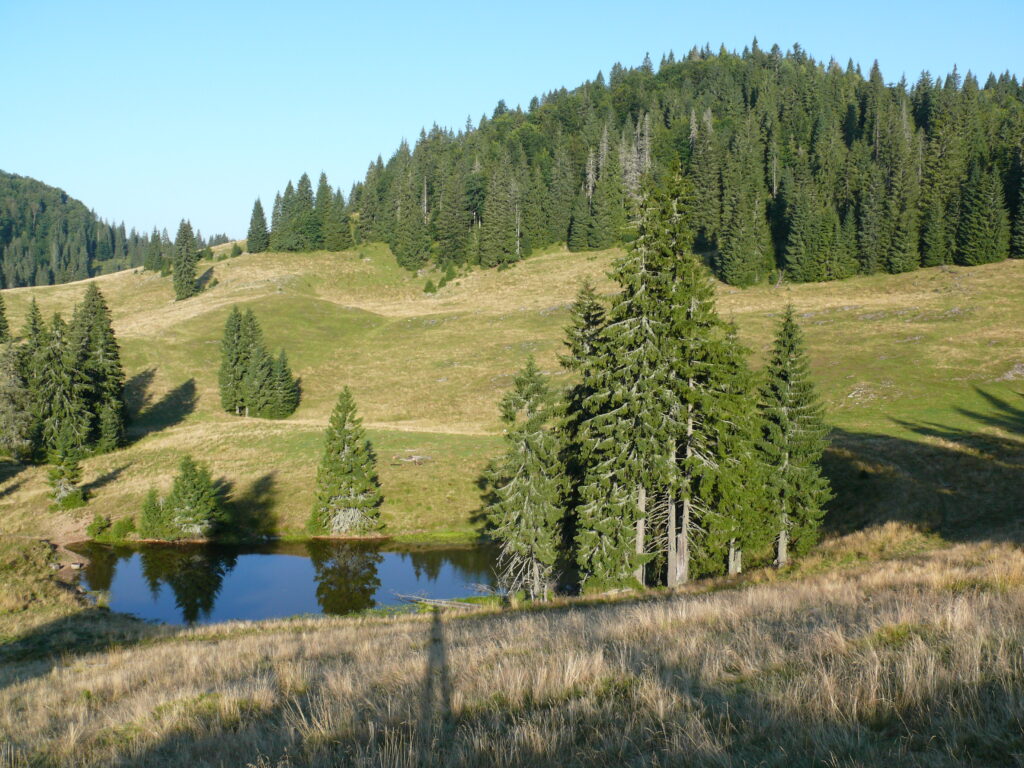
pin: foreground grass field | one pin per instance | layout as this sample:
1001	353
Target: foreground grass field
913	657
921	375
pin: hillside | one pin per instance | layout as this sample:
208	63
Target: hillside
920	373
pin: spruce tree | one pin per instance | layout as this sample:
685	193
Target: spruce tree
501	230
608	212
984	234
16	436
304	224
1017	241
185	259
103	375
231	371
322	206
153	523
348	495
337	229
526	514
61	392
258	382
66	471
794	436
578	238
258	239
191	509
5	329
284	389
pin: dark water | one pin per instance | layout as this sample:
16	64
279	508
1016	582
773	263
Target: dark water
205	583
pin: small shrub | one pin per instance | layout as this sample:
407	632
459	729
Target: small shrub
99	525
236	250
430	287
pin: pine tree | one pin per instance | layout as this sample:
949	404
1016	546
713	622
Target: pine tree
16	421
525	517
348	494
61	392
284	389
501	230
258	382
191	509
103	375
66	471
1017	243
5	329
337	229
185	260
793	440
984	235
608	209
231	369
578	238
258	239
323	206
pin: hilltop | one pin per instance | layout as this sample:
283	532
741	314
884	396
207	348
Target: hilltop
920	374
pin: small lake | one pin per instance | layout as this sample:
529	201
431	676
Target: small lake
201	584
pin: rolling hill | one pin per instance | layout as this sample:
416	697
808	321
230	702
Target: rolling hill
920	373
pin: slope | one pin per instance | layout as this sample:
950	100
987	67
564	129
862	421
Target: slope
920	374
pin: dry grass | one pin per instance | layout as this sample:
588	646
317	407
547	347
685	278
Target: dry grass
914	660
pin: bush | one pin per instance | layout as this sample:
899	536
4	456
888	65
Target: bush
430	287
236	250
99	525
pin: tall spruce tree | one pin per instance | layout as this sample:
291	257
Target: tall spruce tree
103	375
284	398
501	231
348	495
61	391
984	234
337	228
1017	241
5	329
258	238
526	515
794	436
16	434
185	260
232	370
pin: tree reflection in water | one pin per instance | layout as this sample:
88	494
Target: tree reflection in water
345	574
195	575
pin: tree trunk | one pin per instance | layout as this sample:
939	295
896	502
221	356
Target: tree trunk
641	525
536	580
735	558
782	558
672	577
683	535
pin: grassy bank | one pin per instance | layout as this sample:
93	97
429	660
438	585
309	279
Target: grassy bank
882	649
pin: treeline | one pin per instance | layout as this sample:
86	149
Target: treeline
667	458
47	237
803	169
62	391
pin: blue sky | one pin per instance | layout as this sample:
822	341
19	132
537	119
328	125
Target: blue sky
149	111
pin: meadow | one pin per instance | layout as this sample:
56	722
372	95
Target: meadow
921	374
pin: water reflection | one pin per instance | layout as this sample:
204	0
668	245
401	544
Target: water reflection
346	575
199	584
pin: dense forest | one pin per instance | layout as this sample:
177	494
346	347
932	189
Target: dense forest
47	237
802	169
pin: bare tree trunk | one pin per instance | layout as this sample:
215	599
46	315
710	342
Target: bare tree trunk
735	558
672	576
683	545
782	558
536	580
641	525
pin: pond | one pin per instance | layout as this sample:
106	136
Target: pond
200	584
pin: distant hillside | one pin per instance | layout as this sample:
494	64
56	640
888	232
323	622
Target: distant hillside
48	237
807	169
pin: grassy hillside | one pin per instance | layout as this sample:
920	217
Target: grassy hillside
921	374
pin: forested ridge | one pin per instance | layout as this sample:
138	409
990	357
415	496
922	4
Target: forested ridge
802	169
48	237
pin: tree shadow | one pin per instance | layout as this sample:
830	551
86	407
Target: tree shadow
435	722
105	479
173	408
203	281
137	395
250	514
963	484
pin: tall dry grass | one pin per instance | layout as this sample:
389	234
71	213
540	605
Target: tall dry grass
915	660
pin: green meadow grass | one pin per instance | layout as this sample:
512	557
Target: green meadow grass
917	372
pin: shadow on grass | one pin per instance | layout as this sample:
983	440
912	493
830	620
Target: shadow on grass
962	484
103	480
171	409
250	513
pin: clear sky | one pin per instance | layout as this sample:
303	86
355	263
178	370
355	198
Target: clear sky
153	111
